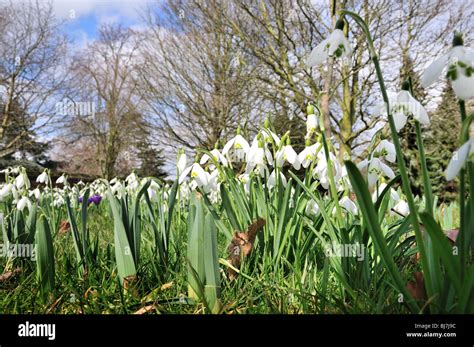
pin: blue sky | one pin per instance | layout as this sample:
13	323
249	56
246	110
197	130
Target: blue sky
84	17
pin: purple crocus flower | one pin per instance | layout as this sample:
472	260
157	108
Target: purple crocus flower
96	199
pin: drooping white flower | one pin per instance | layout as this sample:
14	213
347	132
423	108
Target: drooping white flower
348	205
36	193
202	179
5	191
402	208
377	192
236	148
133	183
20	181
256	158
460	62
216	156
287	153
196	172
463	154
43	178
269	136
272	179
336	45
405	104
63	180
182	161
58	200
308	154
22	203
386	150
245	179
311	123
152	194
212	185
322	172
375	167
312	208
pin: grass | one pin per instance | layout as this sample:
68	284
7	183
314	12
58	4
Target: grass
288	271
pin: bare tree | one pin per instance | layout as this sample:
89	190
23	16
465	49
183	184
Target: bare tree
103	75
31	72
195	81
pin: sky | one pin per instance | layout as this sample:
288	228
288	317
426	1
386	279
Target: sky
83	18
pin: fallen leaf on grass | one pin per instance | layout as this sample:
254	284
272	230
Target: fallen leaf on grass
167	285
417	287
242	244
9	274
145	309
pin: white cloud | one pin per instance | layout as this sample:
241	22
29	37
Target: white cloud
64	9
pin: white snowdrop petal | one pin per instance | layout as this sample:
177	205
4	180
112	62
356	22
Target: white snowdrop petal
457	161
433	71
463	86
318	54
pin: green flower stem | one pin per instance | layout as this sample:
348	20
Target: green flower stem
424	168
463	233
462	180
332	183
401	164
53	215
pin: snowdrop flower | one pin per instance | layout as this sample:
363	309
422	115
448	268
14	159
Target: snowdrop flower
22	203
236	148
5	191
36	193
405	105
58	200
336	45
263	138
22	180
308	154
393	193
152	190
348	205
132	181
212	183
216	156
182	161
63	180
245	179
322	172
402	208
375	167
256	158
463	154
152	194
386	150
268	135
311	123
312	208
43	178
214	196
272	179
287	153
198	174
460	61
